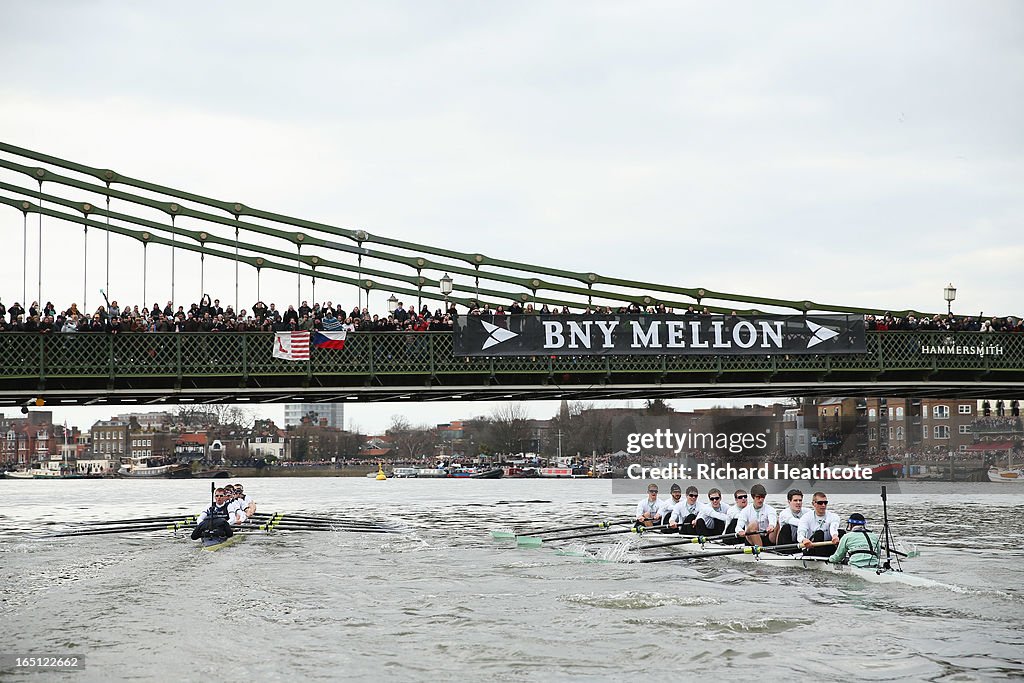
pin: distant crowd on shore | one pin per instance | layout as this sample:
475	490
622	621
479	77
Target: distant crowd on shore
209	316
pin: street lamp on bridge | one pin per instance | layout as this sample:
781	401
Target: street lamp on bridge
949	294
392	304
446	289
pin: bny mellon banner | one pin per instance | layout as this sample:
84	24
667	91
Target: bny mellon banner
632	335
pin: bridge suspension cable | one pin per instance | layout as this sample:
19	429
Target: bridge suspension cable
222	224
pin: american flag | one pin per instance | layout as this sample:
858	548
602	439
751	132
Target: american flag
291	345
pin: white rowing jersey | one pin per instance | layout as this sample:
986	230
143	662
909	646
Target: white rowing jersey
734	512
766	517
811	522
657	509
708	513
787	516
683	510
236	509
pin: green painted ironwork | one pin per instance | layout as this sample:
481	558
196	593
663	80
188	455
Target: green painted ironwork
233	363
510	280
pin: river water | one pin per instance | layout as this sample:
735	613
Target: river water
442	601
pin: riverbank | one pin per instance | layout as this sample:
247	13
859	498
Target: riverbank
348	471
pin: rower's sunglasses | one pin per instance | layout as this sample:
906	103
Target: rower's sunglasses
714	498
821	502
741	497
691	495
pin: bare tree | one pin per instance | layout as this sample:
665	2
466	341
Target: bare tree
510	427
214	414
657	406
411	443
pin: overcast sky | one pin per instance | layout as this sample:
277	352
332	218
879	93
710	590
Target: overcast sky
859	154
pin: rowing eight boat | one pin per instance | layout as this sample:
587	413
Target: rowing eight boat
767	557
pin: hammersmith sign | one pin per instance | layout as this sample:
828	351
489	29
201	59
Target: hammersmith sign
707	335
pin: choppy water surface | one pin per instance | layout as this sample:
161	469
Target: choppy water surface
442	601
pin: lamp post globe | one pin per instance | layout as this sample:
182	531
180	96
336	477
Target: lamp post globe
446	288
949	294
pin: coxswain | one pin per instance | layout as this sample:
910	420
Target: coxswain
858	546
650	510
789	519
713	516
758	523
739	498
817	526
214	520
684	514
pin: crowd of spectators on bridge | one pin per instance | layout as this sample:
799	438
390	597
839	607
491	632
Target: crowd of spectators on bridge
209	316
943	323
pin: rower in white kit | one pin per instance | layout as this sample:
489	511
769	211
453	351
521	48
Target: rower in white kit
818	525
789	519
651	510
758	523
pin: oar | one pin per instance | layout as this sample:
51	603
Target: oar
140	520
327	529
535	541
313	520
121	530
280	521
302	527
555	530
745	550
686	541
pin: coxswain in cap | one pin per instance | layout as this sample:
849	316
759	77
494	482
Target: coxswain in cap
858	546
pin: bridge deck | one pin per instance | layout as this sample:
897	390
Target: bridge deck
86	368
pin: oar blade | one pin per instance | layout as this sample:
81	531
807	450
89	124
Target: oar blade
529	541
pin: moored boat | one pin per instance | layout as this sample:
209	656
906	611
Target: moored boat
42	473
1006	475
555	472
474	473
515	472
431	472
143	467
405	472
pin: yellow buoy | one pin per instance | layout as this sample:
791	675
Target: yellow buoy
380	472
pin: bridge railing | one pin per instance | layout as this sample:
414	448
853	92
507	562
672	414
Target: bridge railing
249	355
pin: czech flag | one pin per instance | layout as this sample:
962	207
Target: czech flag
329	340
